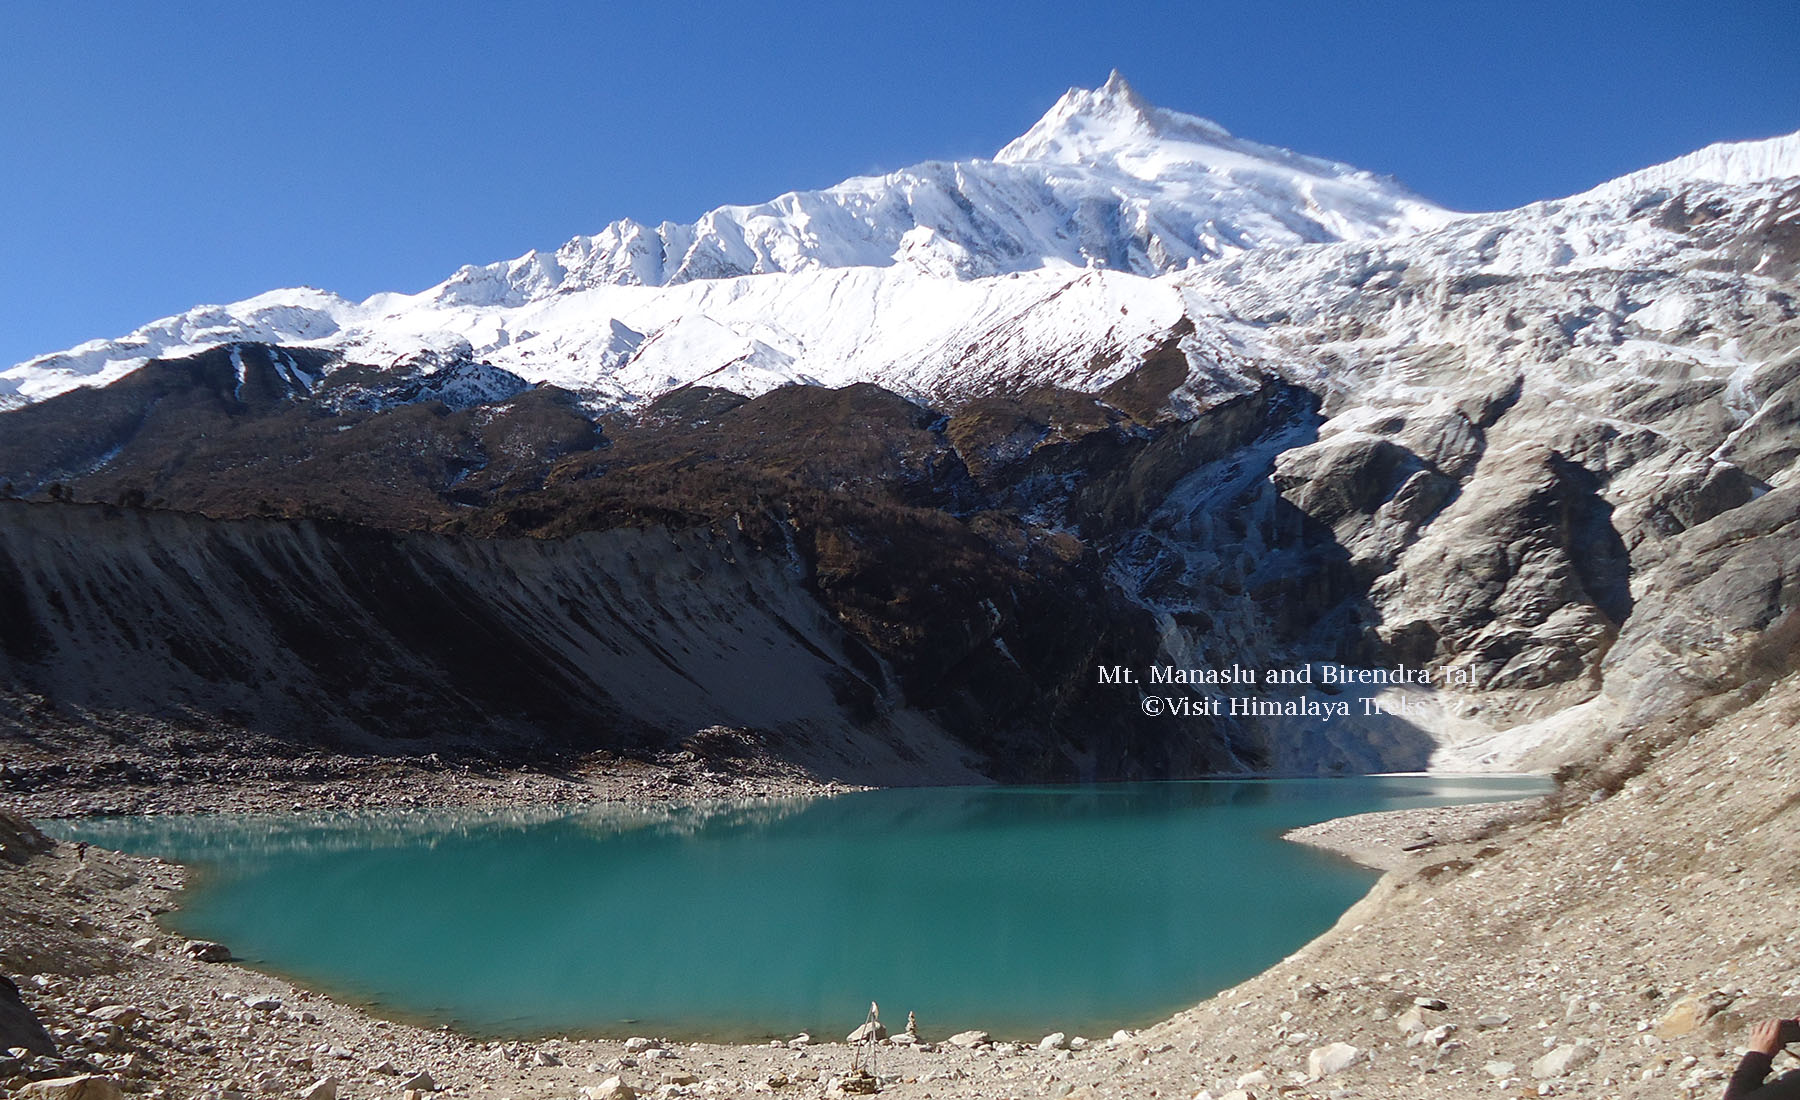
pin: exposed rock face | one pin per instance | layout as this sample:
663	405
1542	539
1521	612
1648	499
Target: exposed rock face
486	646
1716	617
18	1027
19	839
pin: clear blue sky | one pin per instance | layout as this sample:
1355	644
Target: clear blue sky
153	156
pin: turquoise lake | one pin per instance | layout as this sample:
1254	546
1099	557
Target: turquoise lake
1017	910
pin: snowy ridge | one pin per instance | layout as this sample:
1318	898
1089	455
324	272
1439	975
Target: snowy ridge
1102	180
1731	163
1078	248
931	258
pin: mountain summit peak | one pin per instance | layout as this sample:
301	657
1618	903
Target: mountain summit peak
1086	125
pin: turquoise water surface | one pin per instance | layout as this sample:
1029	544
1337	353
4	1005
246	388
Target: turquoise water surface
1017	910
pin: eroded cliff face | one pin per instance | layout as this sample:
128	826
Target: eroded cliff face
368	640
176	632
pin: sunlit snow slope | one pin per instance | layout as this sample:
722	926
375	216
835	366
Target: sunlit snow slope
892	277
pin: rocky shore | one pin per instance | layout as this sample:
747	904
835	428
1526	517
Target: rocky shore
73	774
1612	941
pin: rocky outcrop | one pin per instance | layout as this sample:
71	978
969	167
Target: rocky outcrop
18	1027
20	839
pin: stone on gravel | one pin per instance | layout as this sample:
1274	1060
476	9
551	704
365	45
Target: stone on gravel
206	951
637	1044
610	1089
1687	1014
1432	1038
874	1029
1564	1059
1500	1069
1410	1021
122	1015
421	1081
84	1087
971	1039
1331	1058
1056	1040
325	1088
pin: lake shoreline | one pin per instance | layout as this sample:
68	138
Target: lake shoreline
113	897
330	781
1388	840
945	872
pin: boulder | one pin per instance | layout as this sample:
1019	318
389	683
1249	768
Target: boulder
20	840
637	1044
1500	1069
325	1088
420	1082
122	1015
610	1089
858	1082
873	1030
18	1027
1331	1058
1056	1040
1564	1059
971	1039
1435	1037
85	1087
1410	1021
206	951
1687	1014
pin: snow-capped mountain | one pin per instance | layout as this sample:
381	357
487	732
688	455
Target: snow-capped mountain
1062	260
1317	417
1104	181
